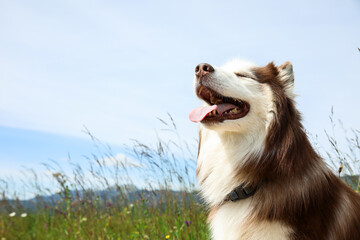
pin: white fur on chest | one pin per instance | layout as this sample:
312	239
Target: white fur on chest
230	222
219	159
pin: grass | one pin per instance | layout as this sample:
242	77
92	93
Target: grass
149	195
137	220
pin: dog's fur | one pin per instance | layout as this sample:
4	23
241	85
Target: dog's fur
297	196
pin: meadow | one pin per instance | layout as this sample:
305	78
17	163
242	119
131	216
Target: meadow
154	197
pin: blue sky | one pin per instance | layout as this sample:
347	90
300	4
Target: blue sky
115	66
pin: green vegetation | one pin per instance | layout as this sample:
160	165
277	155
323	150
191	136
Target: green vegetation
89	220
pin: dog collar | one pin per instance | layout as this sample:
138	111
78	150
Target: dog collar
239	193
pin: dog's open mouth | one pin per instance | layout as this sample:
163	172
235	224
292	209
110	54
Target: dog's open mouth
220	107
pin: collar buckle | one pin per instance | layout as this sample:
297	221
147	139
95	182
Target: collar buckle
240	193
233	196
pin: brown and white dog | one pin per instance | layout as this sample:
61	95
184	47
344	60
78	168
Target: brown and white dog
256	167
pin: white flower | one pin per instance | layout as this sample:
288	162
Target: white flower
131	205
23	215
12	214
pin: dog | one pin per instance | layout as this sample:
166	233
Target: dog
256	168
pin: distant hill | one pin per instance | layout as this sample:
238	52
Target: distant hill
105	197
351	181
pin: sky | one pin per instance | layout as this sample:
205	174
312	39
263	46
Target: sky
115	67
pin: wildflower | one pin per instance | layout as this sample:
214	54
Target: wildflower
60	212
23	215
187	223
167	236
340	169
131	205
12	214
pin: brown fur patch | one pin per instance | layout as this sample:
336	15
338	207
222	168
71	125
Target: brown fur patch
212	212
284	65
198	168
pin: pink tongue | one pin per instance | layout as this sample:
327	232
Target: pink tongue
198	114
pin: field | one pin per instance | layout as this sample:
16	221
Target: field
104	201
171	219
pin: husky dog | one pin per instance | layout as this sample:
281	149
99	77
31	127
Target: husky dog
257	170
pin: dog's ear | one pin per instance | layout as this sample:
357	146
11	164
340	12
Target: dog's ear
286	75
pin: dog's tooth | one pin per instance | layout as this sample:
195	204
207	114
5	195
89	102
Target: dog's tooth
201	89
234	111
215	100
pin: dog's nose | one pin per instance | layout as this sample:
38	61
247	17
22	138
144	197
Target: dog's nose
202	69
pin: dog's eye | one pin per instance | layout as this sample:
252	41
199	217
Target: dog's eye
243	75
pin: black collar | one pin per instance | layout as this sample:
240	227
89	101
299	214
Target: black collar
241	192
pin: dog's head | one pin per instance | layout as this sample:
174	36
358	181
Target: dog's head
240	96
